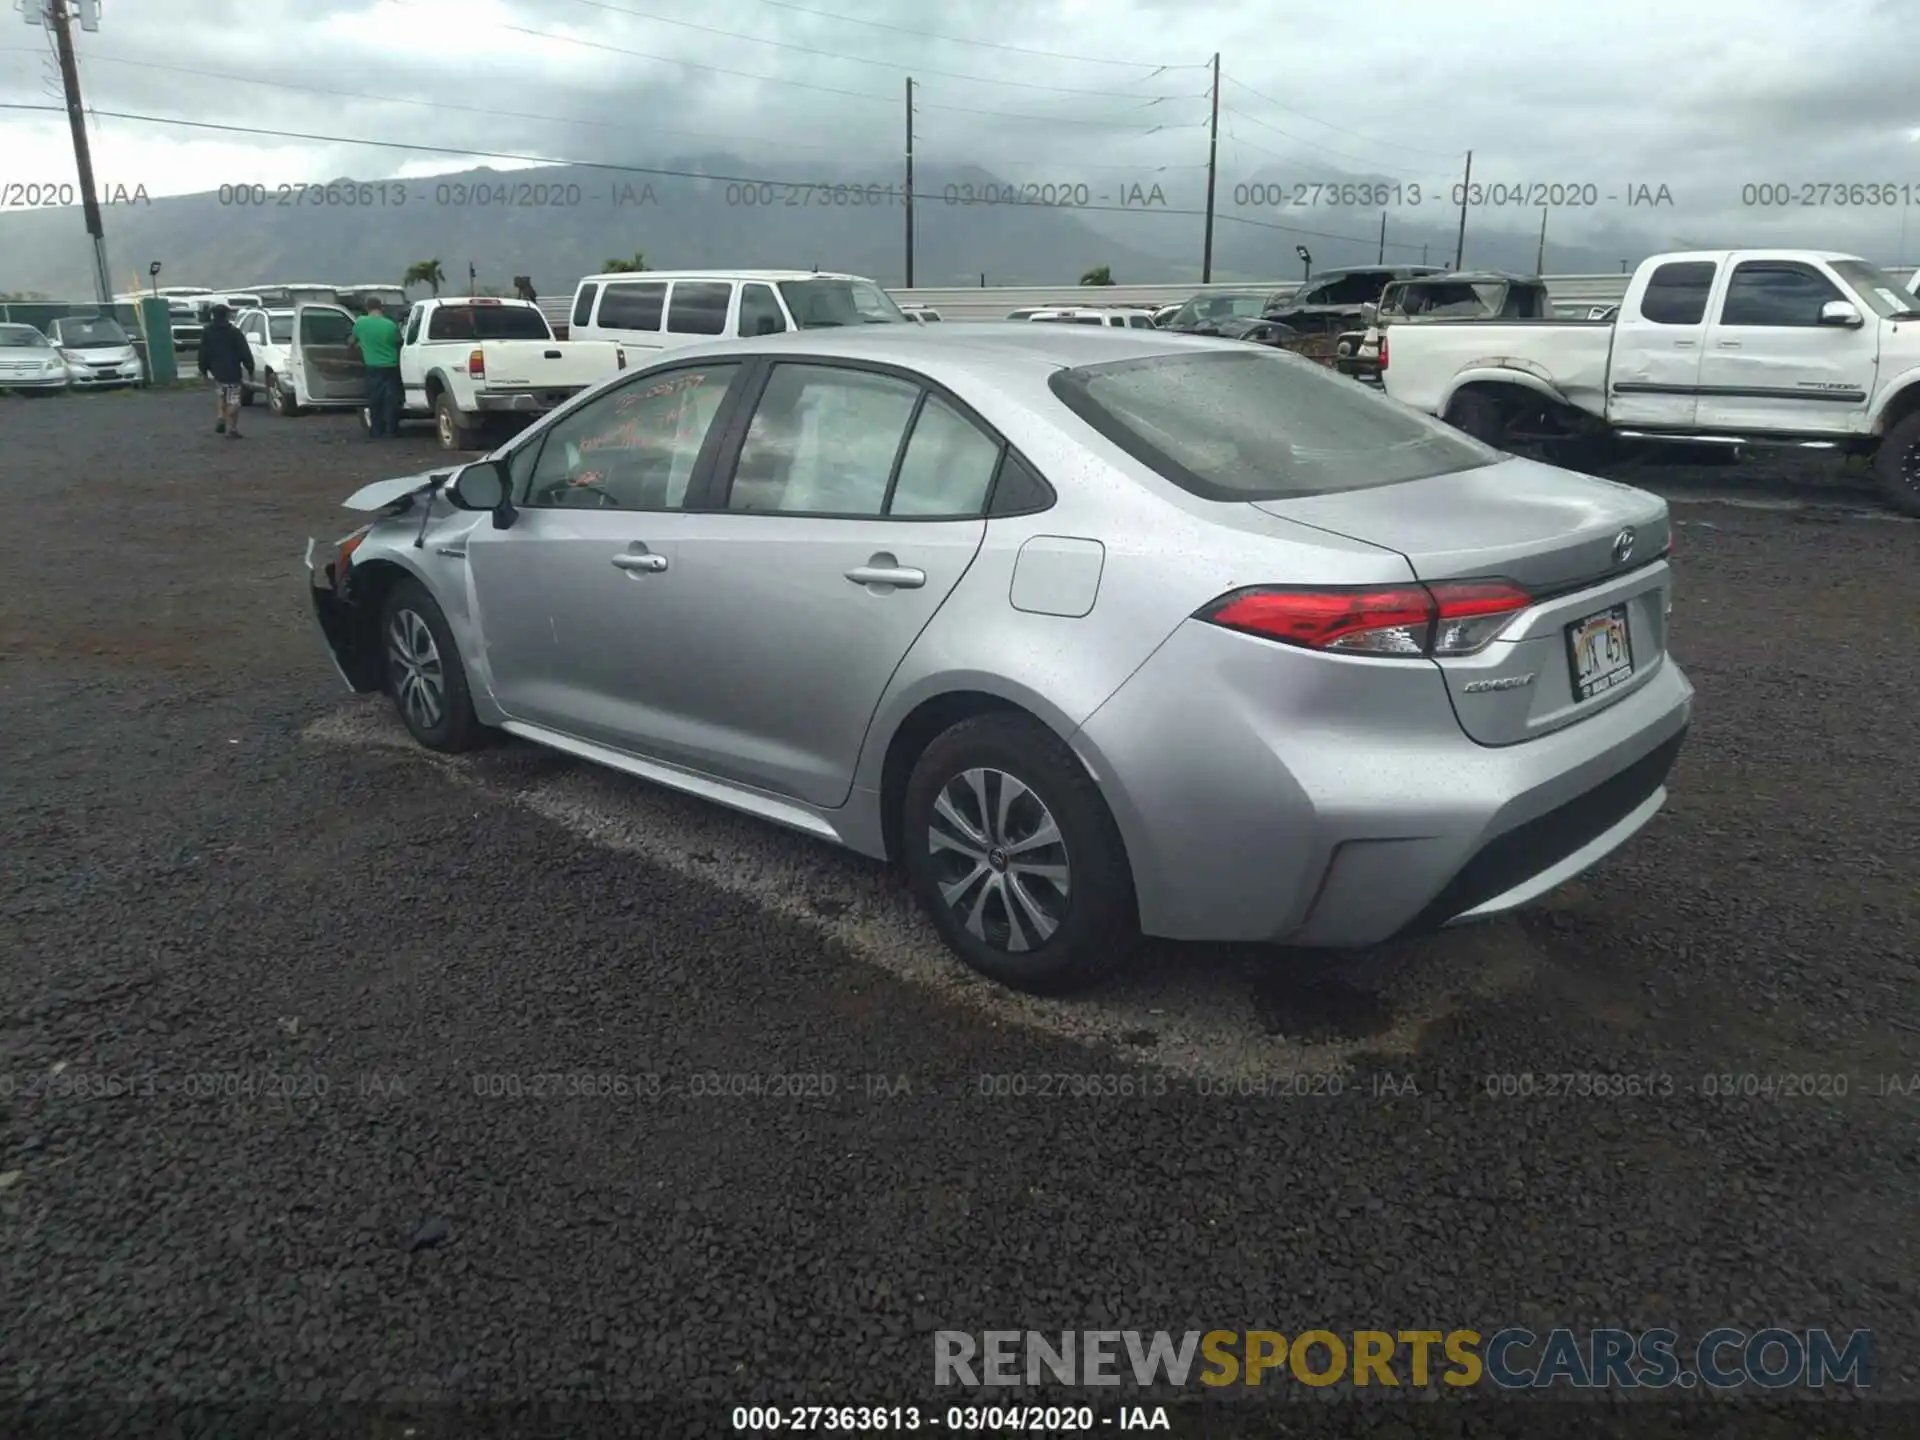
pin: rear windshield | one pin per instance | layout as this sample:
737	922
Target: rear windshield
488	322
1261	425
819	304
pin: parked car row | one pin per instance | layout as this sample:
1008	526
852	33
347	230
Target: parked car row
84	352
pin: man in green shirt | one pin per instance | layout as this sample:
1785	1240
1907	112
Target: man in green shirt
379	342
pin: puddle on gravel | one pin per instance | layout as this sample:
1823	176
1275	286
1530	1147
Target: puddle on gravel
1321	1010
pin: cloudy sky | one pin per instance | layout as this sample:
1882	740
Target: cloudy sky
1703	97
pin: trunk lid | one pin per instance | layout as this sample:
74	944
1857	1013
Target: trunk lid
1589	551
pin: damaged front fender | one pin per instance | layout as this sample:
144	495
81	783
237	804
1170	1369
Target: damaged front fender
351	634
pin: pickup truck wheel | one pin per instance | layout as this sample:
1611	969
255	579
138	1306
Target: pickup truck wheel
455	432
1896	466
1479	417
279	402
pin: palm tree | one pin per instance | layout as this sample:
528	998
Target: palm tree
627	267
424	272
1099	275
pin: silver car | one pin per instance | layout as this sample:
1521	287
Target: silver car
29	363
1096	632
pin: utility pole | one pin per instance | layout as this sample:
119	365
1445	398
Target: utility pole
909	182
1540	259
1466	188
1383	237
57	15
1423	254
1213	161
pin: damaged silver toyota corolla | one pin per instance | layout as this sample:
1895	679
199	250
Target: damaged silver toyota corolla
1096	632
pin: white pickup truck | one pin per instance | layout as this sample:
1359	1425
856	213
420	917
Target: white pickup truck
1726	348
470	360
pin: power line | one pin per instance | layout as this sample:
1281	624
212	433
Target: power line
916	68
1311	145
803	84
416	148
625	127
1388	144
1155	66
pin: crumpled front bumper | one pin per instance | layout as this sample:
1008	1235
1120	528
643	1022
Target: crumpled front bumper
342	627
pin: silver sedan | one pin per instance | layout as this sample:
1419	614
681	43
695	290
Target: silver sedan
1095	632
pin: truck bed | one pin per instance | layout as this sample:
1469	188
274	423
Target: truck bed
1423	360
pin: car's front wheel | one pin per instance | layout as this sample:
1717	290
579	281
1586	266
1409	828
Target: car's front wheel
424	676
1013	853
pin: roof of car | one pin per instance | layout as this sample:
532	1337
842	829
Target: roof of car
985	344
771	277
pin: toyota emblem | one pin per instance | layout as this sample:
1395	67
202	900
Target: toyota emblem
1623	546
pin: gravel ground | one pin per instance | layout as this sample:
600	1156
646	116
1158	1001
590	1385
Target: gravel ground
226	887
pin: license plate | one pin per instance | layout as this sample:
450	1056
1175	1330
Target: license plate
1599	652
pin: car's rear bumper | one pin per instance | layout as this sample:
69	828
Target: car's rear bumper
1275	794
525	402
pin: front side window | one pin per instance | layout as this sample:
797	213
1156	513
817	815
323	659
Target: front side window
325	327
759	311
821	303
634	448
823	441
1260	424
280	328
1776	293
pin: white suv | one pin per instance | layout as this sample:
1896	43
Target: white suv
662	310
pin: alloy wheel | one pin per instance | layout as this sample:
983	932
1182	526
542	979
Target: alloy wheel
419	677
1004	863
445	422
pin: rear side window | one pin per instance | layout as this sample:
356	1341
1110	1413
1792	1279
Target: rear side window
632	305
1260	425
699	307
1677	292
583	303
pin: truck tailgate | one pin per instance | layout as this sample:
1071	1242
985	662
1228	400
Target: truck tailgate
548	364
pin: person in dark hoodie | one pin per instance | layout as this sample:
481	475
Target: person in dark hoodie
225	358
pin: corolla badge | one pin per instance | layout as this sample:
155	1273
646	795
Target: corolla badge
1623	546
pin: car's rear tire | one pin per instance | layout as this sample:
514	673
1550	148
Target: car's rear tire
423	674
454	431
1046	916
1896	465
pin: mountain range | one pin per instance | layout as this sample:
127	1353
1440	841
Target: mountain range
557	223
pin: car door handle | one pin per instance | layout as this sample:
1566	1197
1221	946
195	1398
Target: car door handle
1683	344
901	577
645	564
1729	345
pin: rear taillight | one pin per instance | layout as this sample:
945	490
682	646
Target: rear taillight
477	364
1451	617
1383	349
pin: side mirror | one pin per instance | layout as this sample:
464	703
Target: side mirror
484	486
1841	312
1369	312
